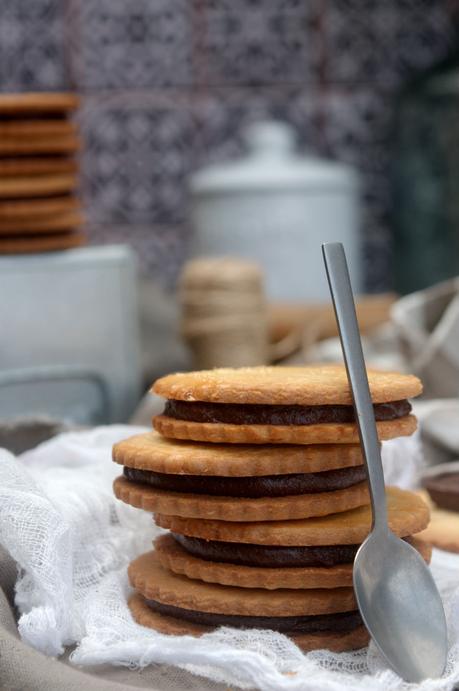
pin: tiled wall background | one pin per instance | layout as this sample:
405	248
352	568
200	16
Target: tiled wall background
168	85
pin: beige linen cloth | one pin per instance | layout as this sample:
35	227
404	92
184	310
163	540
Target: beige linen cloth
24	669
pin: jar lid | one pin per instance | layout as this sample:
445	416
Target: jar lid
272	163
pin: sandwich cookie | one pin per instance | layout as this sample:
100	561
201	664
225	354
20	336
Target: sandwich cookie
274	482
337	642
34	129
55	223
298	405
221	508
37	185
26	210
258	566
154	453
443	529
408	514
39	144
45	165
304	612
24	104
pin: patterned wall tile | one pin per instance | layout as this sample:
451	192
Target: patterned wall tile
188	75
138	153
259	42
384	42
357	125
224	114
357	131
161	250
377	254
32	40
139	43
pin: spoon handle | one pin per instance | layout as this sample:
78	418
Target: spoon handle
343	303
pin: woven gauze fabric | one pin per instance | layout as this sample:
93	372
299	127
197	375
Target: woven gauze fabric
72	541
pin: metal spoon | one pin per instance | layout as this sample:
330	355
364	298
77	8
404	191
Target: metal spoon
396	594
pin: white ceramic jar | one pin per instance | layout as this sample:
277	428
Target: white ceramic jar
277	207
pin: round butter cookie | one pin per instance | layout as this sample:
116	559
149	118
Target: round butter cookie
308	385
408	514
280	405
27	210
220	508
37	102
37	185
443	529
154	582
46	144
24	129
47	165
150	451
174	557
335	641
55	223
322	433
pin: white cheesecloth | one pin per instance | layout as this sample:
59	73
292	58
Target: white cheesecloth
73	540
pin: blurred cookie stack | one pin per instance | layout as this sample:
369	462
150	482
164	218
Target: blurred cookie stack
39	208
258	474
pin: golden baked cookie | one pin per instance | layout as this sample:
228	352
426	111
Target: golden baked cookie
322	433
55	223
46	144
150	451
37	185
236	508
42	243
279	405
24	129
46	165
308	385
408	514
174	557
27	210
443	529
154	582
39	102
337	642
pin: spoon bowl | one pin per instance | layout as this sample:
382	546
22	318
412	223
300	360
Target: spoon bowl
395	592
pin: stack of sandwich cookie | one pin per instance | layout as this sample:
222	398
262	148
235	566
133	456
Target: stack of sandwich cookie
38	173
266	502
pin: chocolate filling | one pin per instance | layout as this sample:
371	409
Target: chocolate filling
444	490
256	486
254	414
267	556
340	622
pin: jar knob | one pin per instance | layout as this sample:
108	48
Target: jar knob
270	138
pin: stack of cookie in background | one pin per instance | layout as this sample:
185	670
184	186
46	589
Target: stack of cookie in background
39	208
258	474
